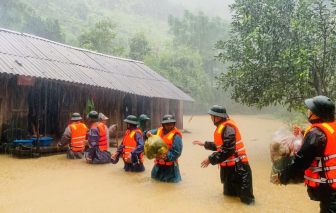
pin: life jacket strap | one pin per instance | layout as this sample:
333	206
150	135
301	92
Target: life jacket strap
241	141
329	157
322	180
238	150
77	142
320	169
129	147
79	137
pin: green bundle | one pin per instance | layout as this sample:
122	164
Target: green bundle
154	147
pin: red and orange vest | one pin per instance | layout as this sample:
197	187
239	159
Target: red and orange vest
130	144
78	135
168	139
240	153
326	163
103	138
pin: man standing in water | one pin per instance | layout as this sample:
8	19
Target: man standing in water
166	167
131	148
143	119
235	171
97	153
74	135
317	156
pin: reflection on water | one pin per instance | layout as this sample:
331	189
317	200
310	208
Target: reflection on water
56	184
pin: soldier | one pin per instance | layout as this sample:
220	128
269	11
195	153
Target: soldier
74	135
132	147
98	152
317	155
235	171
143	120
166	166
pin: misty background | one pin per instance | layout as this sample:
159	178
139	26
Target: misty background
176	38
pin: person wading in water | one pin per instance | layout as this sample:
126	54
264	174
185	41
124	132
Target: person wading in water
131	148
235	171
166	166
317	155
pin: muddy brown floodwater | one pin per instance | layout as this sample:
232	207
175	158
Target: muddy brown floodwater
55	184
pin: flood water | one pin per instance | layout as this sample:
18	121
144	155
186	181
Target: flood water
55	184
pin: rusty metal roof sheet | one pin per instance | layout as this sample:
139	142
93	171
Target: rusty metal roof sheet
28	55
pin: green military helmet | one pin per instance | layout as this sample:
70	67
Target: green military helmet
322	106
219	111
93	116
131	119
143	117
76	117
168	119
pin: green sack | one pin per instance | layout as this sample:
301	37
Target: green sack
154	147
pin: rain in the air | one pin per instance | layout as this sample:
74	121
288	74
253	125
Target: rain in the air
168	106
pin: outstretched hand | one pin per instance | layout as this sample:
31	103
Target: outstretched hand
198	143
296	130
205	163
115	155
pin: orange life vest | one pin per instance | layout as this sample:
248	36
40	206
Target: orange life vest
240	153
168	139
130	144
103	138
78	135
326	163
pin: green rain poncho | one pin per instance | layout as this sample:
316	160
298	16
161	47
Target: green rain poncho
143	122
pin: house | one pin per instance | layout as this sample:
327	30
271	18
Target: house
39	77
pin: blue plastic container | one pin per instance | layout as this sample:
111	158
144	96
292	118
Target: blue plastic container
43	141
23	142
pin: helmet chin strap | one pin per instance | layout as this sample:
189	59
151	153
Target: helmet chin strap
216	123
309	118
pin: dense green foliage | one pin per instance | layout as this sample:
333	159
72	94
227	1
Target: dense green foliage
19	15
174	42
100	38
281	52
139	47
183	66
200	33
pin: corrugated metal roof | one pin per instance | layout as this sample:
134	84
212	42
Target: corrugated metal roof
28	55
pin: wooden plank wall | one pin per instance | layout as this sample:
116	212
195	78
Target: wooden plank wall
64	98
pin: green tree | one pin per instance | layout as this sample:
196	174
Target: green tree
200	33
281	52
139	46
12	13
101	38
49	28
20	16
183	66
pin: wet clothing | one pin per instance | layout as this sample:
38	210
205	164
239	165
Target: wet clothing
237	179
313	145
65	140
136	165
94	152
168	173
